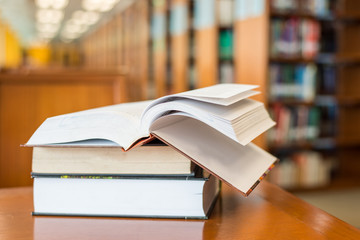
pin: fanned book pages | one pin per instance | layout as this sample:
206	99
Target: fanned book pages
212	126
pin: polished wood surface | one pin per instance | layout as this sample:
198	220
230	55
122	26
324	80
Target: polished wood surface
268	213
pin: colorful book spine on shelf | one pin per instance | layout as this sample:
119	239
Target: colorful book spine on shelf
317	7
293	81
295	124
226	44
310	33
305	169
294	38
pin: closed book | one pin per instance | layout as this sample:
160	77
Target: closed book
160	197
147	159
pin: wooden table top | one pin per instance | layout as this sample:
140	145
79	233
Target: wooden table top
268	213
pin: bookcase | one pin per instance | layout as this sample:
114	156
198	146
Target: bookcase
302	53
311	62
122	42
166	46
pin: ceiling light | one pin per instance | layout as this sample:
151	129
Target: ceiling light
98	5
47	27
49	16
43	3
88	18
59	4
105	7
92	5
56	4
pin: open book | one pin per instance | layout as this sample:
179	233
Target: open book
213	126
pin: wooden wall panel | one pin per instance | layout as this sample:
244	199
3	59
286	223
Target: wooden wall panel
25	104
159	48
180	49
206	45
251	56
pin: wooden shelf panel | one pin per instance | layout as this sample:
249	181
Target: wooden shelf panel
301	14
328	143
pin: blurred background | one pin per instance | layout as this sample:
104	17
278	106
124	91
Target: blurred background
60	56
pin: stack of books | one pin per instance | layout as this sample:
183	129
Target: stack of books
110	161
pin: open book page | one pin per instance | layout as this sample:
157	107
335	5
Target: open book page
118	123
239	166
222	94
232	120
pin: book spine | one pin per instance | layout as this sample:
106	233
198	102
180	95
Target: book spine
293	82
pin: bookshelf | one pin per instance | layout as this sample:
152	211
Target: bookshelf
302	53
311	65
122	42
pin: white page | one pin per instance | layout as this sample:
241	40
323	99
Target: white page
221	94
219	91
221	118
240	166
101	123
222	101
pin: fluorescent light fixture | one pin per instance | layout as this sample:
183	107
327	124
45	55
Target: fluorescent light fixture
91	17
88	18
43	3
59	4
91	5
47	27
56	4
98	5
105	7
49	16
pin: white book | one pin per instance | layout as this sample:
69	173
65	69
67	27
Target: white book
160	197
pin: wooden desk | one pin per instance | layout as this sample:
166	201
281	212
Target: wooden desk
269	213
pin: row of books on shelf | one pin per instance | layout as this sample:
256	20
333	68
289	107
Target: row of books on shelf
296	124
315	7
293	81
295	38
112	161
306	169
